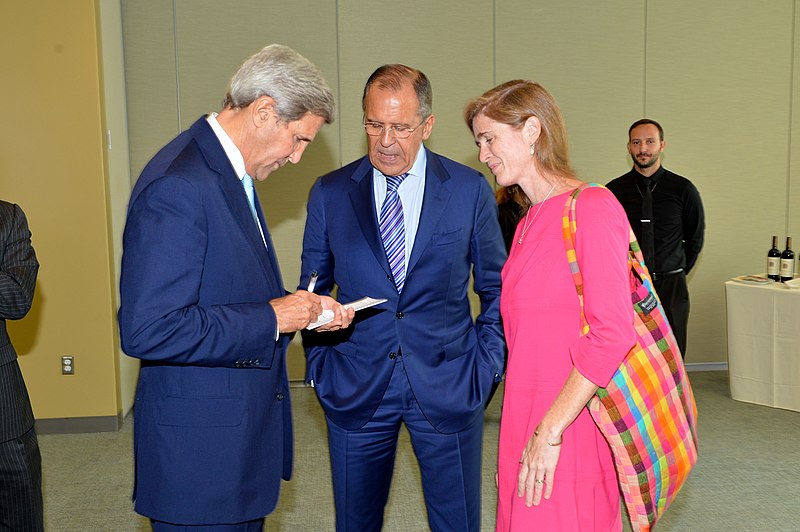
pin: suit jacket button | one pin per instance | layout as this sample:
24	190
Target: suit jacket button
237	364
257	362
392	355
279	396
400	315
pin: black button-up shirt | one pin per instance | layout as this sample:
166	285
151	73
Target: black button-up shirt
678	219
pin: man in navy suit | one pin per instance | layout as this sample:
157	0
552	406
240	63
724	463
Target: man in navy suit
419	358
203	304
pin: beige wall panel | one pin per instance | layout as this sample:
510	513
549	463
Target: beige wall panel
117	163
213	40
51	163
590	57
719	82
451	41
689	64
150	77
793	195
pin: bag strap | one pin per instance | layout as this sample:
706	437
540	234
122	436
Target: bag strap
569	228
569	224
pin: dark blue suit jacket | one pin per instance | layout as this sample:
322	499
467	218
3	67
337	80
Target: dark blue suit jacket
212	430
451	359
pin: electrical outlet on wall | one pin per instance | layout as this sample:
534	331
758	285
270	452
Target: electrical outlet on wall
67	365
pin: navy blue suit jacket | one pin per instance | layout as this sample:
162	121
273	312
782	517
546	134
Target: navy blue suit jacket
451	360
212	432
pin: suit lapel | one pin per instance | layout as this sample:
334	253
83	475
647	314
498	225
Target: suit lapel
433	205
270	248
434	200
236	199
362	195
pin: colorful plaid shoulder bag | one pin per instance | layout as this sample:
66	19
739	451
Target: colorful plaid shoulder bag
647	412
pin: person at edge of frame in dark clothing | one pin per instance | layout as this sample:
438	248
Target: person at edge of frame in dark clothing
21	506
666	214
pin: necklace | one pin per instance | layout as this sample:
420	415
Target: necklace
527	224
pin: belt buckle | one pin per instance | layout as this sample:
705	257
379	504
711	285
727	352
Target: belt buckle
663	275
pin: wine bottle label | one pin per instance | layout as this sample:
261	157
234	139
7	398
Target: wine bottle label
787	267
773	265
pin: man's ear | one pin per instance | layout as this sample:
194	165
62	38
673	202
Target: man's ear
427	128
261	110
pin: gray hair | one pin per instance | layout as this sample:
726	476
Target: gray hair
392	77
296	85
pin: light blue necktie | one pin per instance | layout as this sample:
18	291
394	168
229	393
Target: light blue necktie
393	231
249	189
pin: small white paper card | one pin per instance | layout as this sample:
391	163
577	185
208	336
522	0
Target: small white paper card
327	314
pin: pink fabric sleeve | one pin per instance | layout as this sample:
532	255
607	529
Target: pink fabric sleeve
602	250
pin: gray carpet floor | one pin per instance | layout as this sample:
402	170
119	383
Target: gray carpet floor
747	479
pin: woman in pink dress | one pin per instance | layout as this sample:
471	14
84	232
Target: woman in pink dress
555	470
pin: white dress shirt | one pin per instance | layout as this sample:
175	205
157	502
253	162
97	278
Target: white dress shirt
411	192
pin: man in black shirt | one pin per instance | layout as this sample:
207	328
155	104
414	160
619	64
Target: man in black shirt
666	215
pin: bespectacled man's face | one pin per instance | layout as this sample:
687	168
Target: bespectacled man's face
390	155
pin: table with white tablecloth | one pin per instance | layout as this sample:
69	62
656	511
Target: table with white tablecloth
764	343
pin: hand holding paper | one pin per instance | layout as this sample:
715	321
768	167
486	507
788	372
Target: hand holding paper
327	314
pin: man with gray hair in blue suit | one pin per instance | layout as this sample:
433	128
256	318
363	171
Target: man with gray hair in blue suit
204	307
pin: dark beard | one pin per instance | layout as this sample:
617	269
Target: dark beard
650	162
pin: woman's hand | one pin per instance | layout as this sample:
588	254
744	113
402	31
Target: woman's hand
538	463
538	468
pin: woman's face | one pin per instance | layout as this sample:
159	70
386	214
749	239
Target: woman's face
504	149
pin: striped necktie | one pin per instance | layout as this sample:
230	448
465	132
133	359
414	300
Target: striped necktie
393	231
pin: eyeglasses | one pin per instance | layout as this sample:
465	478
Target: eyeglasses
374	129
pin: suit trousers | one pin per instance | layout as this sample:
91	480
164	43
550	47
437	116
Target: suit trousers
21	507
362	463
674	295
257	525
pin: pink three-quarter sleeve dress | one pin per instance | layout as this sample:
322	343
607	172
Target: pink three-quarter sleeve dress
541	316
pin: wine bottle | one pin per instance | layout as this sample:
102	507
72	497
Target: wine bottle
787	262
774	261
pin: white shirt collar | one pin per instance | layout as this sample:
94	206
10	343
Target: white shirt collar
233	153
417	169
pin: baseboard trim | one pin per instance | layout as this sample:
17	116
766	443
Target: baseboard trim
79	425
706	366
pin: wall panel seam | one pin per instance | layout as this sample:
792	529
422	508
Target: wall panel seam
644	62
791	117
339	85
177	61
494	43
